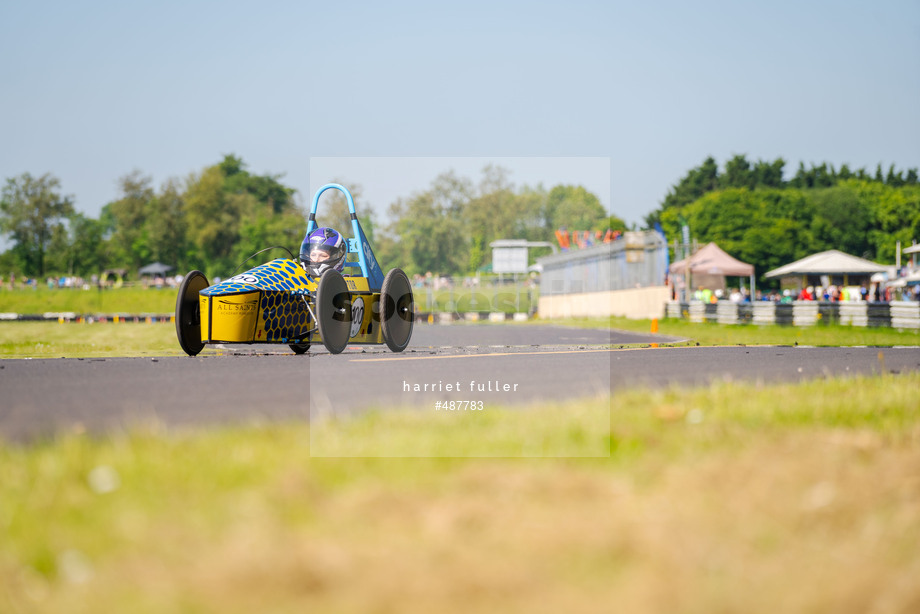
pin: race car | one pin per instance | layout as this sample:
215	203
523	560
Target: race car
286	302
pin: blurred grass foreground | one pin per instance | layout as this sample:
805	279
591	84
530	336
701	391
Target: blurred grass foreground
728	498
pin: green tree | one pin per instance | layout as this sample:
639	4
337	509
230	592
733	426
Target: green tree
488	215
841	220
127	218
212	219
425	238
165	226
266	212
894	179
769	174
32	210
260	230
764	227
448	228
822	176
86	253
611	222
895	216
697	182
266	189
768	222
230	214
58	258
533	205
429	231
574	208
738	174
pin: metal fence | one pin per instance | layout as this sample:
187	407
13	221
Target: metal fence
635	260
479	293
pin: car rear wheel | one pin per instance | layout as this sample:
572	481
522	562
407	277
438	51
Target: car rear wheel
188	312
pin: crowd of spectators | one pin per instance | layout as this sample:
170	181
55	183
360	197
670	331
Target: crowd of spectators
831	293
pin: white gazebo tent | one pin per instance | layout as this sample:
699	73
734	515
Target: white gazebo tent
832	263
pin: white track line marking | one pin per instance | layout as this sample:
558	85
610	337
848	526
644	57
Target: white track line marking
548	353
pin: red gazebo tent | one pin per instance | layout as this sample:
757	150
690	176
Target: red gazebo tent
709	267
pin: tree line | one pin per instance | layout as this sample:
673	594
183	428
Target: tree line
448	227
759	217
215	219
208	221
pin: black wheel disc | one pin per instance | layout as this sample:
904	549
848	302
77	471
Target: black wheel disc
299	348
397	310
333	311
188	314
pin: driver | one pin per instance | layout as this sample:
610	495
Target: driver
321	250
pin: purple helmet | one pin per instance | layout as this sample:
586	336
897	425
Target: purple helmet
321	250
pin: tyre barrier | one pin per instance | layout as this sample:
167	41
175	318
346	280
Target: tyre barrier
905	315
677	310
900	314
784	314
734	313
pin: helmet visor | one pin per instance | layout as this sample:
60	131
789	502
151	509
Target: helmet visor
316	253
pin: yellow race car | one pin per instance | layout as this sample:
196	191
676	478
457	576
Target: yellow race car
300	302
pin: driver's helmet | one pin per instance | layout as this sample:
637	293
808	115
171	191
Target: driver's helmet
321	250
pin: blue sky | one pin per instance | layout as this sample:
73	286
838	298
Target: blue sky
91	91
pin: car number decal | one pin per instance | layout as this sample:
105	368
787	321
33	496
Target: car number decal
357	316
245	278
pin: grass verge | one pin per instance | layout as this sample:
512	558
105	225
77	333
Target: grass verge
93	301
795	497
72	340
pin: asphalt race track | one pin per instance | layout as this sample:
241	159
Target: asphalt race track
496	364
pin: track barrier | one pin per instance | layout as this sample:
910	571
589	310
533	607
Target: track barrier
898	314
